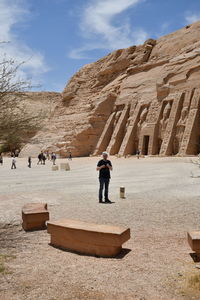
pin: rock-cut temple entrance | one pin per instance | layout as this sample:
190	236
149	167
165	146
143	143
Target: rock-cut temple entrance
145	147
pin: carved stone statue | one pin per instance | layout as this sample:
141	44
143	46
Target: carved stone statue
127	125
140	125
164	121
117	116
180	128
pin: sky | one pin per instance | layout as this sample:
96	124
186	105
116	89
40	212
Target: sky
55	38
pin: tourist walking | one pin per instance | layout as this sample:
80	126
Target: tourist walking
53	158
104	167
40	156
138	154
70	156
29	161
43	158
1	160
13	165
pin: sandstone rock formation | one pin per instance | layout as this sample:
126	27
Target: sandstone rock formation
145	97
37	102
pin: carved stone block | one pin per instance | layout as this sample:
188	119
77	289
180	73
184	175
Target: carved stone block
86	238
34	216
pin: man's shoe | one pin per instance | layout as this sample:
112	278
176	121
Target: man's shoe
100	201
108	201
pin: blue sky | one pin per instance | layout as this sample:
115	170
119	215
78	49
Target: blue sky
57	37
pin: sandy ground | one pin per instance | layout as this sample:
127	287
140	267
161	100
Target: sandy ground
162	203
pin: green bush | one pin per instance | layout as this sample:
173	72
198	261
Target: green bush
4	148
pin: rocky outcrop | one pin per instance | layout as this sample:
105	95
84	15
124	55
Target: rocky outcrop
145	97
43	103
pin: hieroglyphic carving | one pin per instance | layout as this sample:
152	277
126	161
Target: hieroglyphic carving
153	112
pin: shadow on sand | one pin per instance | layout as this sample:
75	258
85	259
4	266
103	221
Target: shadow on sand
121	255
195	257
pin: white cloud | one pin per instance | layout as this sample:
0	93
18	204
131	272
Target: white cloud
192	17
12	13
98	28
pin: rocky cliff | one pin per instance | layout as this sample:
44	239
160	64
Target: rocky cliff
144	97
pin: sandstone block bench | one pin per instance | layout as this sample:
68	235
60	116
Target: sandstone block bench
194	241
54	168
64	167
86	238
34	216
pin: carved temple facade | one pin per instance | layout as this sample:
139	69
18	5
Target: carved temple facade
171	127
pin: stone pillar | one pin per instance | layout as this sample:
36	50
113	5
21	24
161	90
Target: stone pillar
118	133
105	136
128	141
181	124
166	147
188	146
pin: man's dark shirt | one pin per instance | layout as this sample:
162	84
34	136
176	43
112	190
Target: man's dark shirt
104	172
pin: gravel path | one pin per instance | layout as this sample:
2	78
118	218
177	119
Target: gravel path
162	203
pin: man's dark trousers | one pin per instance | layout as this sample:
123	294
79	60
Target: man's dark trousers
104	183
13	165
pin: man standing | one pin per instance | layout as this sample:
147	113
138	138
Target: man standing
1	159
70	156
40	156
13	165
104	167
53	158
29	161
138	154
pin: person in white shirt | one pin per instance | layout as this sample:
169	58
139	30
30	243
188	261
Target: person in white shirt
13	166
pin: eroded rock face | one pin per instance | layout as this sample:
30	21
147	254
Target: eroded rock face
145	97
45	103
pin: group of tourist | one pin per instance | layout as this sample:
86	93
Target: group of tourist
42	157
104	167
46	155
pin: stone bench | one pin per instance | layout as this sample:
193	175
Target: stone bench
194	240
64	167
86	238
54	168
34	216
